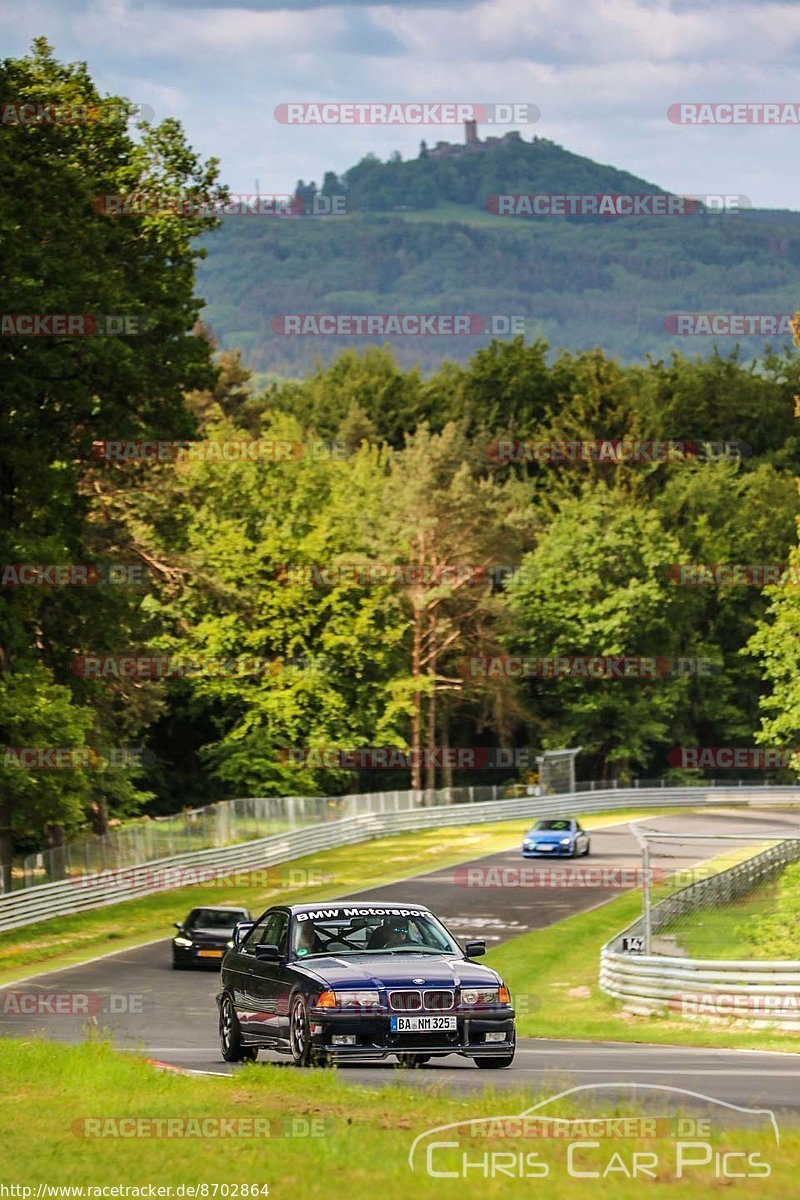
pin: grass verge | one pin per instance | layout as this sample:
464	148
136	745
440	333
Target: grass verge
361	1137
64	941
728	931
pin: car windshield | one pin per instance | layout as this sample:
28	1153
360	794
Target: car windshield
553	826
212	918
350	931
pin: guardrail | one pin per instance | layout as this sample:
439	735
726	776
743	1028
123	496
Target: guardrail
225	823
766	990
109	887
149	839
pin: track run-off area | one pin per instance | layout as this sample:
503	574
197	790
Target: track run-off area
170	1016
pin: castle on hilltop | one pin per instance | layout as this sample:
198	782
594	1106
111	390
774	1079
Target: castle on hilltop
472	143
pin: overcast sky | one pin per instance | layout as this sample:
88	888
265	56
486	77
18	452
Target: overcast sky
602	72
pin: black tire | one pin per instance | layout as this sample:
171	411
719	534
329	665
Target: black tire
303	1053
178	964
495	1062
230	1034
410	1060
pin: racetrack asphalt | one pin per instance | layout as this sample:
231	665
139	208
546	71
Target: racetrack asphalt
137	999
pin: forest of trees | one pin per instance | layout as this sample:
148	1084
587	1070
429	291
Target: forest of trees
469	177
386	465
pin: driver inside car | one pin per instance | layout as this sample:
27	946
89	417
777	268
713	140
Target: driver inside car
394	932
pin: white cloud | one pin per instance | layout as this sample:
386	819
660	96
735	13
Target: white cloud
602	71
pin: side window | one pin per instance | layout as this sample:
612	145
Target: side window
255	935
274	931
265	932
282	932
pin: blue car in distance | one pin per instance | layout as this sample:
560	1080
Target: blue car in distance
555	837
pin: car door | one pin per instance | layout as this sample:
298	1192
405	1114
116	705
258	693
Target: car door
238	974
581	838
268	1009
280	980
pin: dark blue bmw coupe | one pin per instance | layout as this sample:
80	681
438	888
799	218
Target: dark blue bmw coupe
360	981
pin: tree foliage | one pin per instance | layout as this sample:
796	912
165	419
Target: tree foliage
283	564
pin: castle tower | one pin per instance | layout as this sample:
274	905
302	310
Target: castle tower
471	134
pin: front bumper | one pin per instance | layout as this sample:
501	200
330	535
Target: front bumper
556	852
375	1039
191	957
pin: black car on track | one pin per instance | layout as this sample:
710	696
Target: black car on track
205	935
353	980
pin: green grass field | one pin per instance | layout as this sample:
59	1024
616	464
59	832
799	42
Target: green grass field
727	931
763	924
86	1115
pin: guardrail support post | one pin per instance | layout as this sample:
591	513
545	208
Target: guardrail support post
646	899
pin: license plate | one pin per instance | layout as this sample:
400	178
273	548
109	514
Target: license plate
209	954
422	1024
545	848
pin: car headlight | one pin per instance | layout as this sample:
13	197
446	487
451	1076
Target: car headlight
480	996
352	1000
364	999
184	943
565	841
231	945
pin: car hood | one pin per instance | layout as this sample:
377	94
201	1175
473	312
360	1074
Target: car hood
549	835
375	971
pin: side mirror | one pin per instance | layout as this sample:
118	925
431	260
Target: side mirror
178	924
268	953
241	930
475	949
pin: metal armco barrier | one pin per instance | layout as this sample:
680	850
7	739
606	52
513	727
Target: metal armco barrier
757	990
85	892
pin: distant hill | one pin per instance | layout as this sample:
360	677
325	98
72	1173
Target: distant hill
416	237
467	173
